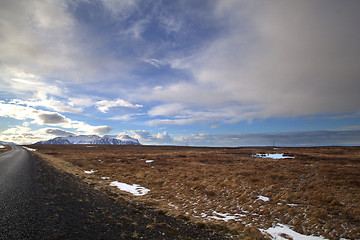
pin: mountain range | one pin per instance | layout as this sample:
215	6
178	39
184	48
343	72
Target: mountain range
93	139
6	143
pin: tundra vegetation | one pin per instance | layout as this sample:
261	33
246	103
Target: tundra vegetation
3	148
315	191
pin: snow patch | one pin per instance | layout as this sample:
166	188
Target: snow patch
223	216
149	161
293	204
262	198
30	149
105	178
283	232
172	205
2	146
90	172
134	189
272	155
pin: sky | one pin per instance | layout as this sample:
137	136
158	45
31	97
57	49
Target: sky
181	72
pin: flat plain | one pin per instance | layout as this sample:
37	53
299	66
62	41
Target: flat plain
313	191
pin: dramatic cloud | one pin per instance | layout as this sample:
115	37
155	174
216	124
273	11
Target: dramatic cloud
42	117
33	38
203	69
52	118
101	130
290	59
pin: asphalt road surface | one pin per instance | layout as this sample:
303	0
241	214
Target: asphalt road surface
40	202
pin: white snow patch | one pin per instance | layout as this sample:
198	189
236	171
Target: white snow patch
293	204
223	216
283	232
272	155
105	178
90	172
172	205
134	189
149	161
262	198
2	146
30	149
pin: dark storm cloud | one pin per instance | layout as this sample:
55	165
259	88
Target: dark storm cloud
58	132
52	118
102	130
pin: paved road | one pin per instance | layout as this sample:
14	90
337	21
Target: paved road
39	202
16	192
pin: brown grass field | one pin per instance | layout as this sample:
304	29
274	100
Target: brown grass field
315	193
4	149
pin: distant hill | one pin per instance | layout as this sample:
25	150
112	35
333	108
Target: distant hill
6	143
93	139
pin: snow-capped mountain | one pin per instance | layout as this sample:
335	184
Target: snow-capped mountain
6	143
93	139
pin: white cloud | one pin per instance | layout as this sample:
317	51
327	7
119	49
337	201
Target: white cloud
125	117
178	115
146	137
18	81
18	112
105	105
83	100
155	62
166	110
49	103
84	128
24	135
42	117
